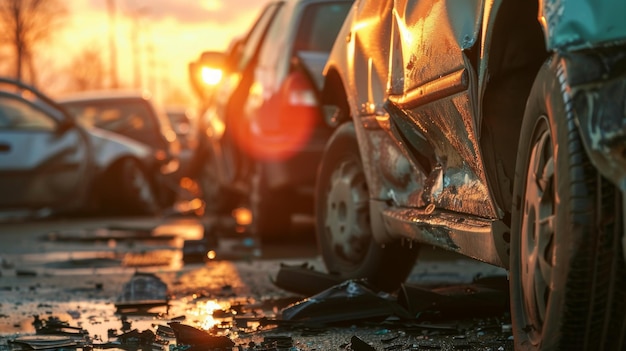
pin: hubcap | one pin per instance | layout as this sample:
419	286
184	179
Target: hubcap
537	232
347	213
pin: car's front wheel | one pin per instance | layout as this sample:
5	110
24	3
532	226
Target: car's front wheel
129	190
568	290
343	226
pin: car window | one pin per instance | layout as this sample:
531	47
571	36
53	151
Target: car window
272	52
131	118
320	25
18	115
256	34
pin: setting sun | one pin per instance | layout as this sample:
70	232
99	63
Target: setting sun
125	44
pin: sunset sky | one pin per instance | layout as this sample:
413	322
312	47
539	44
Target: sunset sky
170	34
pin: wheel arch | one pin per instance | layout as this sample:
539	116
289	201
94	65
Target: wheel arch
105	172
512	54
334	95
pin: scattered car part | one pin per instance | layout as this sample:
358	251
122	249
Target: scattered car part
357	344
199	339
45	342
141	293
482	297
55	326
304	280
349	301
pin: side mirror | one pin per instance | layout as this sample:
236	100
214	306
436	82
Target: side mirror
65	125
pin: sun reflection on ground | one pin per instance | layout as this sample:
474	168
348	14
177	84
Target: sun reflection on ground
203	312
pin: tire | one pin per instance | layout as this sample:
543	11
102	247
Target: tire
567	272
342	219
129	190
271	212
217	200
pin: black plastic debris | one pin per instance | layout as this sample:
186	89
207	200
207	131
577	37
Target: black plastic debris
116	233
277	342
304	280
349	301
44	342
356	344
132	340
55	326
141	293
25	273
137	338
199	339
485	296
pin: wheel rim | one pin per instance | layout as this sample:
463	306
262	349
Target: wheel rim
537	231
347	214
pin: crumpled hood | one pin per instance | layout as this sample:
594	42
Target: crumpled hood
108	147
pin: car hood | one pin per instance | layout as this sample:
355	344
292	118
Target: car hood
109	147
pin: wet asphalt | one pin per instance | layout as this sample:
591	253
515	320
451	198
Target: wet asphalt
222	282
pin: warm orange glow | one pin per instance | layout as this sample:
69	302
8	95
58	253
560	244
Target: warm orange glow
186	183
279	127
243	216
160	155
211	75
203	312
211	255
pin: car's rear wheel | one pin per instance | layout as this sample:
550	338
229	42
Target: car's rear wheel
129	190
567	269
271	212
217	200
343	226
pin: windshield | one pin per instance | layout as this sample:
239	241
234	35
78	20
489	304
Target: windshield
128	117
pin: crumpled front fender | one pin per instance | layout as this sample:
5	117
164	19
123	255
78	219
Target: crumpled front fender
577	24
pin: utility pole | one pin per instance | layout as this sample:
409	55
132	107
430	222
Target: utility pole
112	44
136	47
152	69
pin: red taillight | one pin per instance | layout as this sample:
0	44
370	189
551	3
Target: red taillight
287	120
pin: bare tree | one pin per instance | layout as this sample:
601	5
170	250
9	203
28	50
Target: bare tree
87	70
26	23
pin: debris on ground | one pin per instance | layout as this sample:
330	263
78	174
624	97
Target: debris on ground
304	280
55	326
357	344
116	233
485	296
352	300
199	339
44	342
143	292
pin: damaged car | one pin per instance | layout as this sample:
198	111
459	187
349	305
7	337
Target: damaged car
265	133
134	115
51	164
494	129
